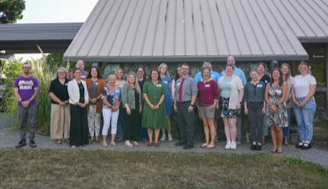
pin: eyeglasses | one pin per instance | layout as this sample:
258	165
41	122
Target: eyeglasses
26	67
61	72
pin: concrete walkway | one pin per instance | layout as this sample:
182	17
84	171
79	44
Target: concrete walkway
9	139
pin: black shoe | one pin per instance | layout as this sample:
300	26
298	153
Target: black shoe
299	145
258	147
21	144
306	146
188	146
253	147
179	144
32	144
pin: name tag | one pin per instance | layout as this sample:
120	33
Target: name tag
120	85
165	82
117	91
158	85
83	76
178	84
207	85
259	85
65	84
96	83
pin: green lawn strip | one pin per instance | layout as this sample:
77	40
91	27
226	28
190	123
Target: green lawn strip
42	168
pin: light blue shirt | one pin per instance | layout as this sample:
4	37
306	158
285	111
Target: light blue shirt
214	75
225	88
238	72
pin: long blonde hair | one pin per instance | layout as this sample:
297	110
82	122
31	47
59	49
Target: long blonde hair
167	73
136	83
305	64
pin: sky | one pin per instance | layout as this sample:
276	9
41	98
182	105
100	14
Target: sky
55	11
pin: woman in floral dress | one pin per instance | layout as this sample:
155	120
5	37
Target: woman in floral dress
276	113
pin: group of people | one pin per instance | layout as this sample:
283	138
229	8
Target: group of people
138	108
272	100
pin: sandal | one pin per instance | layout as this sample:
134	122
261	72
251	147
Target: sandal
279	150
58	141
113	144
67	140
210	146
104	144
91	140
73	147
128	143
203	145
97	140
274	150
135	143
285	141
149	143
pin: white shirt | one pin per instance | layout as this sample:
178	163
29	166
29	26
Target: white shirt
302	85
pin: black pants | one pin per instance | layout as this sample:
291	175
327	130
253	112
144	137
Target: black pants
255	118
131	127
79	131
186	123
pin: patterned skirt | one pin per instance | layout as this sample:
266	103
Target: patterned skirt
225	111
277	118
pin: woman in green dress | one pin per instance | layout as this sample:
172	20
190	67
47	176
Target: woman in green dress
154	114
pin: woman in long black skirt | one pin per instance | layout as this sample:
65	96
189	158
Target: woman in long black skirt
78	99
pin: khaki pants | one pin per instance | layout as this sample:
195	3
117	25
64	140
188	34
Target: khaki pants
60	121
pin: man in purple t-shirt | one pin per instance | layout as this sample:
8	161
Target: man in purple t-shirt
25	90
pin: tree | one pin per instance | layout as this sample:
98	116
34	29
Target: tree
11	10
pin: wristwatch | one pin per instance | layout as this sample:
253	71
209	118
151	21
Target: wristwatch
192	105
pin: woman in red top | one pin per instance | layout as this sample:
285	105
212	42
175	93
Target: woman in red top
208	95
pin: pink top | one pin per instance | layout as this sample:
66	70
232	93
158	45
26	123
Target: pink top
207	92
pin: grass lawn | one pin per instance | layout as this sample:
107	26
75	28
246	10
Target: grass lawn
51	169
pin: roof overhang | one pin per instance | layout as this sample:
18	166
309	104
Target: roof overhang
177	30
313	39
187	58
24	38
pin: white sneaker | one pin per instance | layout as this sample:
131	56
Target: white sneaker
228	145
233	146
128	143
163	137
170	137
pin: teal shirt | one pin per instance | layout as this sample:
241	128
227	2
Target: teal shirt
225	88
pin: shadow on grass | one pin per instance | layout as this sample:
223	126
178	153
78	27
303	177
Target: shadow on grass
106	169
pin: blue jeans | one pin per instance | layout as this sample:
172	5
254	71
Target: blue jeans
287	129
304	118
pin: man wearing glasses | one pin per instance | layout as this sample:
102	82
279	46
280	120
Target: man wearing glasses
25	90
